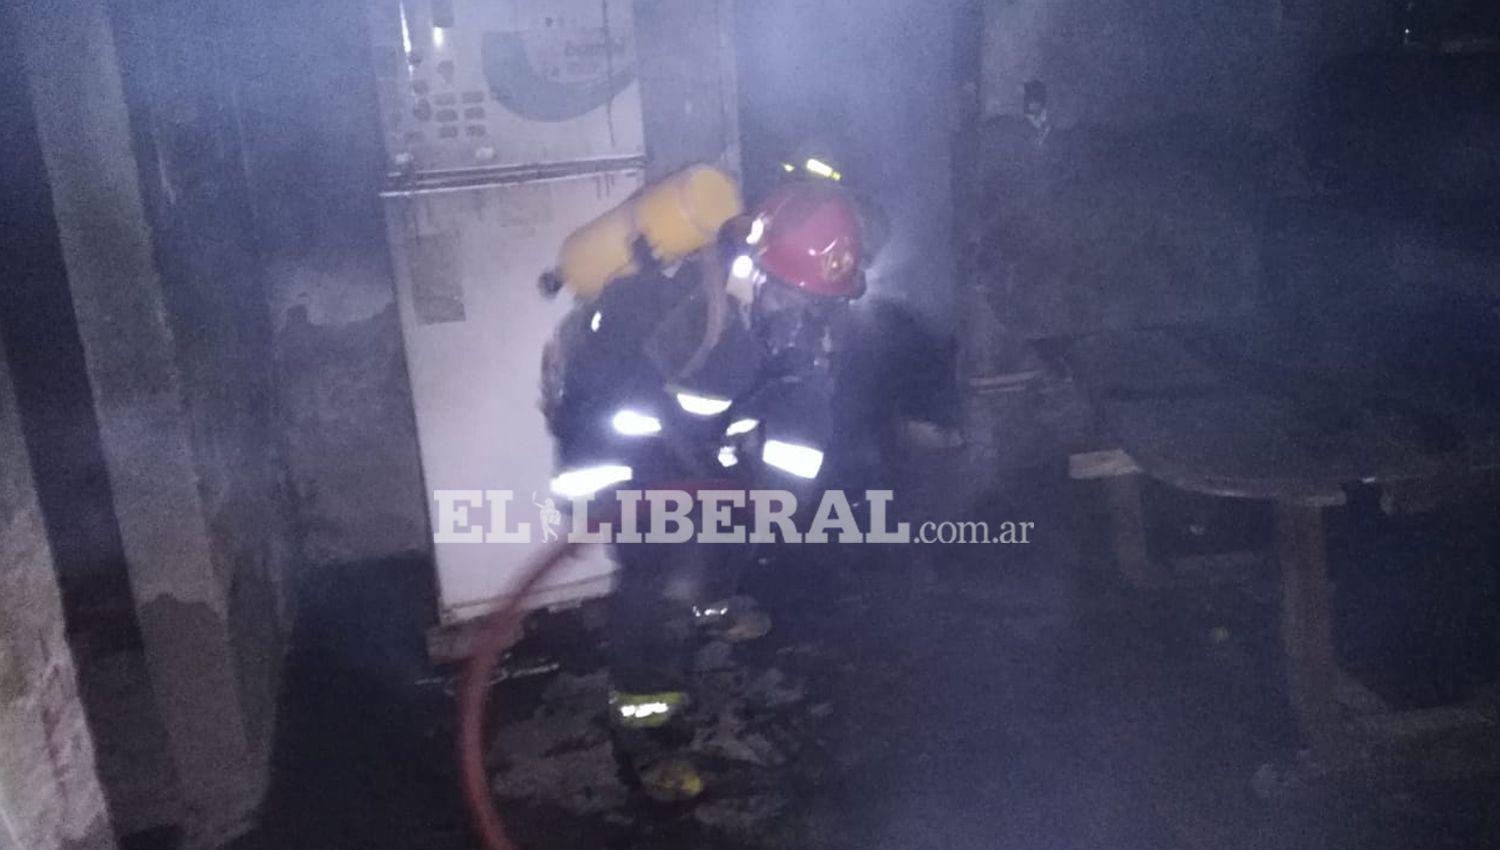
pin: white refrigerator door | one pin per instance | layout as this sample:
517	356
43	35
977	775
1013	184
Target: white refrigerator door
467	262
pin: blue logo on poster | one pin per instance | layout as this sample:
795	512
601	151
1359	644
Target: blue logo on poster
573	79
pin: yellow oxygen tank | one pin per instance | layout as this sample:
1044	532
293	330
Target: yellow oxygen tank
676	217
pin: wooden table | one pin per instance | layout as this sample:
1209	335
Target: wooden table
1292	411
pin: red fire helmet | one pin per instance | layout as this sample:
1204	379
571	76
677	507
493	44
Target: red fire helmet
809	237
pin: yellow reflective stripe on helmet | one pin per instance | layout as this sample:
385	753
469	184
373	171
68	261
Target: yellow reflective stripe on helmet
822	169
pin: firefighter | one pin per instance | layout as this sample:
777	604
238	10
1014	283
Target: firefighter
759	305
884	337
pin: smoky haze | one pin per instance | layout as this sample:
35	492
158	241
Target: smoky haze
872	82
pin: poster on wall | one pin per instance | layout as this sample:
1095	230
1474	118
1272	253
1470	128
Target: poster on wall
501	84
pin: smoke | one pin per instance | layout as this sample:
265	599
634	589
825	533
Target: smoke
874	78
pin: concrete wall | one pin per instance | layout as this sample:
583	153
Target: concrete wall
315	163
185	138
1172	150
1179	132
49	793
36	320
1123	62
152	214
51	383
689	93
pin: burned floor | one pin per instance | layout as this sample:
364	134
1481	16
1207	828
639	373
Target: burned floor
943	696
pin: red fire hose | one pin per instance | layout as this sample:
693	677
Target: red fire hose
495	635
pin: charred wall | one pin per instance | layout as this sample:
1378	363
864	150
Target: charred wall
1120	62
314	162
1174	145
185	137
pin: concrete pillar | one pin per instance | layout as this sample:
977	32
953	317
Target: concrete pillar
978	325
49	792
167	301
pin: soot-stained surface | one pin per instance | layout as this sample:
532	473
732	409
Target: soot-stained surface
908	697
